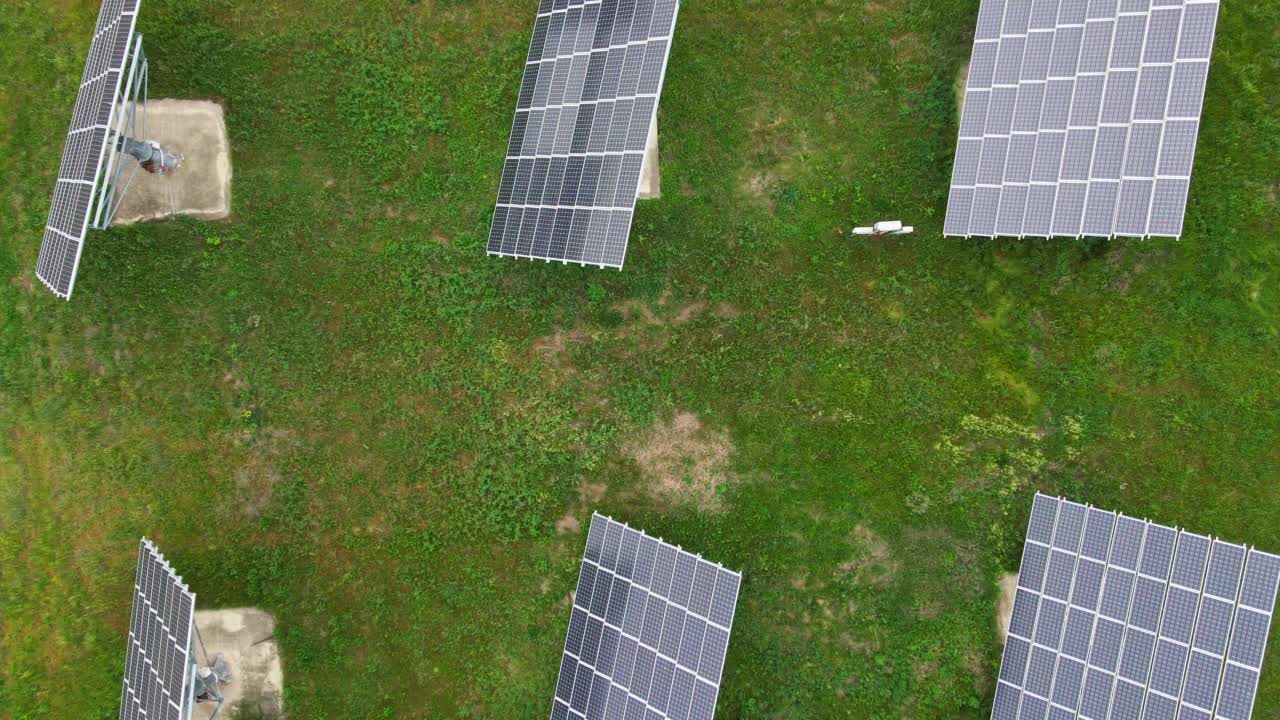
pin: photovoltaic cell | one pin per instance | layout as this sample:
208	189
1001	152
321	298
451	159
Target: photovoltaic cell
655	645
1108	94
1161	624
587	101
157	662
87	145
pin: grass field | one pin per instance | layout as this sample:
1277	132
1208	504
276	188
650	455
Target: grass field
335	407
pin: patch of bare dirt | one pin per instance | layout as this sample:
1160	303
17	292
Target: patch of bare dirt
568	525
728	311
760	187
873	563
592	493
638	312
683	462
259	473
922	668
651	323
1004	607
555	347
907	47
689	312
777	143
977	667
928	611
24	281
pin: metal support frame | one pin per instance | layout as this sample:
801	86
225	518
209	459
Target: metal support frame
126	125
191	687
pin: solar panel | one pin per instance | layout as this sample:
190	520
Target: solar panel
648	633
1116	617
589	96
88	140
1080	118
156	679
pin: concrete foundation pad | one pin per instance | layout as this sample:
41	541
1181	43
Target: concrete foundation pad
650	172
196	131
244	637
1004	609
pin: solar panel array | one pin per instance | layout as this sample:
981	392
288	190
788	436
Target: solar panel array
590	93
1080	117
87	142
649	630
1121	618
156	678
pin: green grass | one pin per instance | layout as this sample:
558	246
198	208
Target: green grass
336	411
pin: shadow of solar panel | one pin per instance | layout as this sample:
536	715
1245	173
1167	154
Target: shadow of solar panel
86	146
1161	623
588	98
1092	86
648	632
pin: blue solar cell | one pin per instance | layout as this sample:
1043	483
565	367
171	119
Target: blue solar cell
1213	625
1116	592
1239	688
1044	510
1249	637
613	535
1033	708
1057	583
1097	534
682	580
1223	577
1006	703
1050	622
1035	559
1014	665
1169	668
714	645
1203	672
1078	634
1157	551
1179	614
1189	560
672	631
1068	682
595	537
1025	607
1087	589
725	598
1148	602
627	554
1107	638
1097	695
704	582
1040	671
704	701
1126	704
1135	659
691	643
1126	546
1160	708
